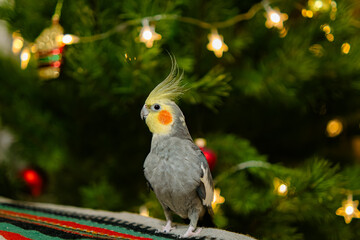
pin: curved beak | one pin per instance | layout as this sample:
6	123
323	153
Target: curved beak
144	112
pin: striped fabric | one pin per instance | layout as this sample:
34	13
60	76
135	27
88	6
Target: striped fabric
21	222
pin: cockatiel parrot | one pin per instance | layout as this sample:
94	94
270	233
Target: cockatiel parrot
176	169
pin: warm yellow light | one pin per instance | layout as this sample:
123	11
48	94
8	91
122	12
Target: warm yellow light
334	128
17	44
24	58
349	210
148	35
280	187
318	4
274	18
309	13
69	39
218	199
33	48
144	211
326	28
330	37
216	44
200	142
345	48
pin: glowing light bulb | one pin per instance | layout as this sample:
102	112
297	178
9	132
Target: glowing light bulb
307	13
318	4
282	189
345	48
148	35
17	44
326	28
216	44
200	142
349	210
24	58
217	199
334	127
69	39
144	211
275	17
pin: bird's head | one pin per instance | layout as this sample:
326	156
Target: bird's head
160	111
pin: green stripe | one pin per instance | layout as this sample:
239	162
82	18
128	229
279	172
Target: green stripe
51	58
32	234
84	222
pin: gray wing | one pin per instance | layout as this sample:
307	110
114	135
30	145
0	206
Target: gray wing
206	188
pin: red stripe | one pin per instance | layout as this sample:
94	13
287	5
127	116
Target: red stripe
56	228
12	236
73	225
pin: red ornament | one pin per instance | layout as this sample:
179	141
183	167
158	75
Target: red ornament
34	181
210	156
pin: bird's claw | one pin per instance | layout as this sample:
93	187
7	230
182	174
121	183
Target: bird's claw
191	233
167	228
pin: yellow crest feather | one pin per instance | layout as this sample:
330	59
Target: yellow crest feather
168	89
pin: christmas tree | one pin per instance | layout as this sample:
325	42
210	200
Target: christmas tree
273	88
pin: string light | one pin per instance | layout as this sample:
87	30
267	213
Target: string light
69	39
349	209
274	18
25	58
333	10
319	5
144	211
218	199
148	34
345	48
307	13
334	128
327	30
200	142
18	42
280	187
216	44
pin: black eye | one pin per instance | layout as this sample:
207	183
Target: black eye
156	107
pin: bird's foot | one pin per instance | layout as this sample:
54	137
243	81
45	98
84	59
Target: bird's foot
167	227
191	233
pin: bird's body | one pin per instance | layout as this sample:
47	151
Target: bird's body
174	186
175	168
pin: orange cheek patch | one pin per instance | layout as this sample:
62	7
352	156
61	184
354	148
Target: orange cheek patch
165	117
